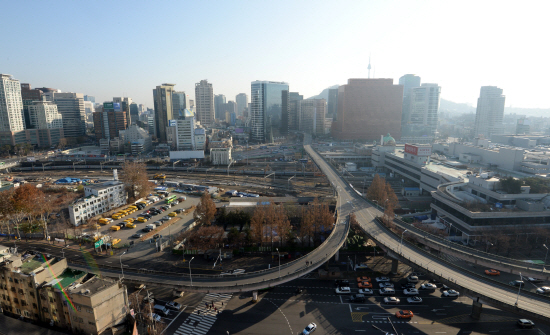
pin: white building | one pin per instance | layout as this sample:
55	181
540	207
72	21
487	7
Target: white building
200	139
204	99
220	156
44	115
71	107
11	104
98	198
185	131
138	138
421	120
490	112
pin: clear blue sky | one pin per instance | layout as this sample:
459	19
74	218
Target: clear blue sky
126	48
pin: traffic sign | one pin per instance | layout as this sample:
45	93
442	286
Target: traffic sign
99	243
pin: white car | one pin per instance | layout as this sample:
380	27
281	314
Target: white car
366	291
386	291
343	290
410	291
386	284
414	300
543	290
392	300
451	293
382	279
309	329
412	279
428	286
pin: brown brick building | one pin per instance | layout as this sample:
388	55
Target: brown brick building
368	108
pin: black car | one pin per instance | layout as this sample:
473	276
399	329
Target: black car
146	230
157	236
341	282
147	216
408	285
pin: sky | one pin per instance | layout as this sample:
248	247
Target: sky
126	48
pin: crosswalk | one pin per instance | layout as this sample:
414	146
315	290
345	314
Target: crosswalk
202	318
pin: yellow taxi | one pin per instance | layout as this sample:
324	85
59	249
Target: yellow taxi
130	225
116	240
115	228
129	220
96	226
142	219
115	216
172	214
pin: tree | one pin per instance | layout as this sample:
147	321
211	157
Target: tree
205	237
24	200
6	209
307	225
257	222
5	149
136	180
390	203
377	190
511	185
62	143
205	211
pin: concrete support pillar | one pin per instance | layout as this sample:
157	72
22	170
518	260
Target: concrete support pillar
254	295
337	255
476	309
394	265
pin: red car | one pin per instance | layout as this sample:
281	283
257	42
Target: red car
360	279
492	272
364	284
404	314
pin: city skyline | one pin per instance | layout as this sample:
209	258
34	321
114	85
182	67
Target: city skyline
461	61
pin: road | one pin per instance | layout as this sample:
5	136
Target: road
366	215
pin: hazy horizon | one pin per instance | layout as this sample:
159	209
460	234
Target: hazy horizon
110	49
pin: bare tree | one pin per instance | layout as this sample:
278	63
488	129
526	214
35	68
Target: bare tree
377	190
206	210
136	180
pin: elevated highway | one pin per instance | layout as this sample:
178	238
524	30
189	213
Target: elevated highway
482	289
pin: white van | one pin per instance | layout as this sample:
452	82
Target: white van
152	226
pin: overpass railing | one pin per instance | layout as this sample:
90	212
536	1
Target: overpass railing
456	267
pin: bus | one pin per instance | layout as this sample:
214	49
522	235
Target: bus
170	199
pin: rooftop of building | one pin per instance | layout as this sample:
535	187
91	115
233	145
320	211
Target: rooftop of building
65	279
36	262
106	184
92	286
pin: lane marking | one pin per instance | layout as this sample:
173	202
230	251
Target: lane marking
350	310
341	301
291	333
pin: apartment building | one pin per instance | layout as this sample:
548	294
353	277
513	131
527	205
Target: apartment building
98	198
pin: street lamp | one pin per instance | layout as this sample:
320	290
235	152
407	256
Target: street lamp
279	262
121	267
519	289
190	277
62	251
543	265
401	245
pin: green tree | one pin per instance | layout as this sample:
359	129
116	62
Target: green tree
206	210
511	185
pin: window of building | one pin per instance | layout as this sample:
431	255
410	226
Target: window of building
34	306
78	308
91	323
16	300
18	311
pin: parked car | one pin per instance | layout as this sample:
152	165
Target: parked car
386	284
343	290
386	291
451	293
391	300
360	279
146	230
428	286
341	282
366	291
157	223
410	291
414	300
412	279
364	284
382	279
357	298
137	235
408	285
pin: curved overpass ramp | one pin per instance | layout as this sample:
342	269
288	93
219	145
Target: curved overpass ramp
475	286
252	281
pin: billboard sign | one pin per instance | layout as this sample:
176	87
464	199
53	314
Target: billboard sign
418	150
172	123
411	149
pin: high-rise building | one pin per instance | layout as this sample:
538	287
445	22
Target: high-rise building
219	101
71	108
44	115
421	123
125	103
242	102
109	121
225	109
134	112
204	100
89	98
185	131
180	102
312	116
409	81
368	108
29	96
266	109
293	102
162	96
490	112
332	104
11	104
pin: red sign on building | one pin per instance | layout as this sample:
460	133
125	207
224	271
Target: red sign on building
411	149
